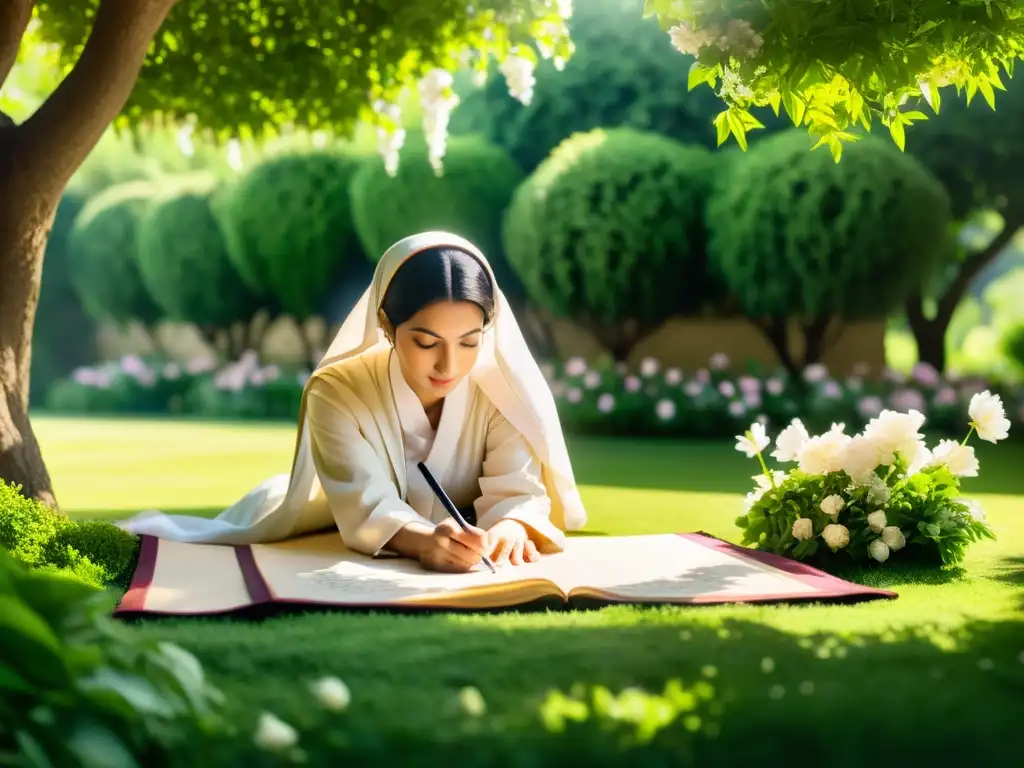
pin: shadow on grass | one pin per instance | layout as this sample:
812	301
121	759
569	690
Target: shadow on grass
1011	571
734	692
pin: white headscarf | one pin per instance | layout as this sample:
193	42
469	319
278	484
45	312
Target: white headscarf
505	371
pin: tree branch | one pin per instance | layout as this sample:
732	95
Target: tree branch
55	140
14	18
973	265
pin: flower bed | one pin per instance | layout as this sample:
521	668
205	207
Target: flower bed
712	402
868	496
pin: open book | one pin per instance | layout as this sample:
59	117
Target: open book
690	568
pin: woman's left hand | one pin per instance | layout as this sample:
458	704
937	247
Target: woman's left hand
511	543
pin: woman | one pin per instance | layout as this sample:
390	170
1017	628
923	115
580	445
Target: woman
429	366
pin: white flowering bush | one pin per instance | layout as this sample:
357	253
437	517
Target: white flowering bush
879	494
838	67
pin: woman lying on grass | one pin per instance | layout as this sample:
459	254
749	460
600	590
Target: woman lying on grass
429	366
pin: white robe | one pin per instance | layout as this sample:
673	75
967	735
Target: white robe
476	455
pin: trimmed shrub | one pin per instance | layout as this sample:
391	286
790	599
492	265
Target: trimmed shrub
624	73
609	231
104	248
288	227
795	235
94	552
469	199
1013	346
64	335
183	258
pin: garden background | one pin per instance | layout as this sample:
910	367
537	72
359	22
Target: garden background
676	291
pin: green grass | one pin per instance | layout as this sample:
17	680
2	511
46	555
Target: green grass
936	675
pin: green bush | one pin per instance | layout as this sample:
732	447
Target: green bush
104	249
468	199
624	73
793	234
1013	345
78	690
609	230
183	257
94	552
63	336
288	227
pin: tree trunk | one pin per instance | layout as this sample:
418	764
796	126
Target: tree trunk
776	331
23	242
930	332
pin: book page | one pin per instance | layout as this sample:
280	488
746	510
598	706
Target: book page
663	567
320	569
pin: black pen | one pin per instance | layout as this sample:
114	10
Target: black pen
452	509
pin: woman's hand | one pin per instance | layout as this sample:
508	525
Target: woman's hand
510	543
453	550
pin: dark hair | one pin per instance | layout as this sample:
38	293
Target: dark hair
437	274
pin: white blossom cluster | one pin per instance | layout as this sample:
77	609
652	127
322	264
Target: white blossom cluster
890	435
390	138
737	38
437	100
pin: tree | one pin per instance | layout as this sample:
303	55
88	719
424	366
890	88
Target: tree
624	73
797	237
244	70
977	154
837	67
609	231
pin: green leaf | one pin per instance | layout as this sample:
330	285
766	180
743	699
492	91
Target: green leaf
97	747
11	681
32	750
723	126
932	95
795	107
700	74
986	90
27	638
898	134
112	687
775	100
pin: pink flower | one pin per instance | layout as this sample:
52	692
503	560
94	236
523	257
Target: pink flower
249	359
719	361
946	396
775	386
575	366
666	409
649	366
924	373
752	400
870	406
673	376
749	385
591	379
87	377
272	372
198	365
133	364
574	395
606	402
906	400
726	388
632	384
737	409
693	388
832	390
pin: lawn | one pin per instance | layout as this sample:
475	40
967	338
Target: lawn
934	676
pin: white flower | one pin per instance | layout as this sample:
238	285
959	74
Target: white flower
878	490
825	453
831	505
390	138
988	417
666	409
687	40
754	441
893	537
649	366
719	361
803	528
606	402
274	734
877	520
836	536
917	457
975	509
958	458
790	441
437	100
862	458
332	693
591	379
765	484
673	376
815	372
894	432
575	366
518	72
879	550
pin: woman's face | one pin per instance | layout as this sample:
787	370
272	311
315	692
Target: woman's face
438	346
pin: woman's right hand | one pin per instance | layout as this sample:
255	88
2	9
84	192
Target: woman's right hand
452	550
